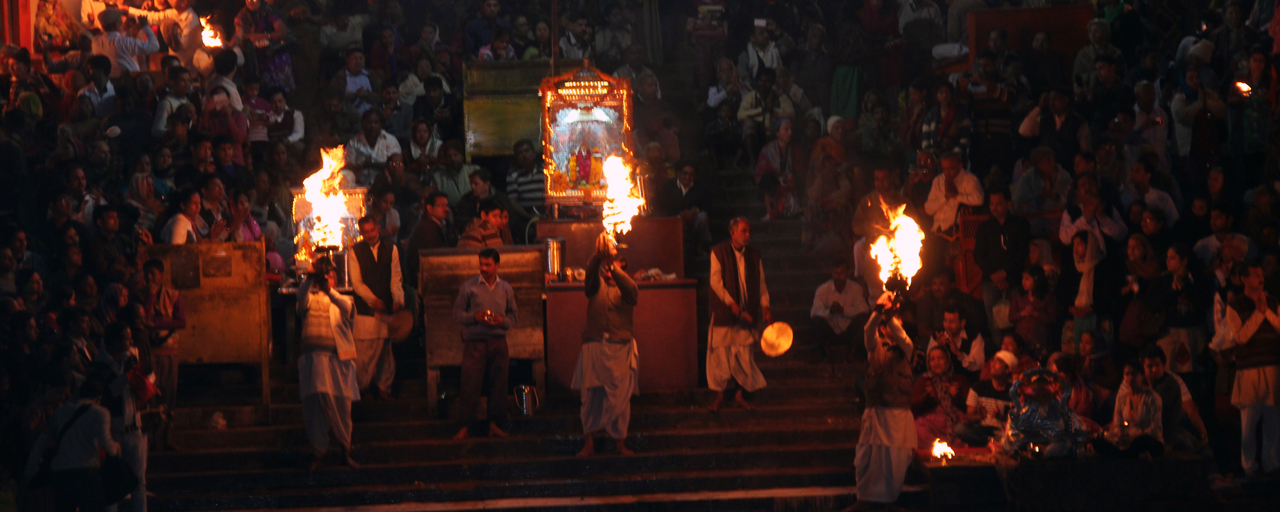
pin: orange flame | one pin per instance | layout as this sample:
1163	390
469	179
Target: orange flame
622	197
328	223
941	450
1244	88
210	38
900	249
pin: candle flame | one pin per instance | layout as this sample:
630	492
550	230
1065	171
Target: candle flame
941	450
899	251
1244	88
622	197
210	38
329	223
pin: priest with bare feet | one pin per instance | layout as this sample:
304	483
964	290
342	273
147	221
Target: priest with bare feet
327	366
739	312
608	371
486	308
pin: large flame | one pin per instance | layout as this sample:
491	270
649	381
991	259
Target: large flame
210	38
622	197
899	251
941	450
328	224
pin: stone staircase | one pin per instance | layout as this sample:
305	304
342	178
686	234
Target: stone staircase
795	450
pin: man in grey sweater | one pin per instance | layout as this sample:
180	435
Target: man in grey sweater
486	308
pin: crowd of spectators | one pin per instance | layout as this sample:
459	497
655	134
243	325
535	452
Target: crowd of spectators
1107	210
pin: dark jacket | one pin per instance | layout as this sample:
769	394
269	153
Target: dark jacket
426	235
671	201
1002	247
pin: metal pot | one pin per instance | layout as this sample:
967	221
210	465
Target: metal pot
554	253
526	399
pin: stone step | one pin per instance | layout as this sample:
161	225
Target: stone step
292	453
285	392
774	399
505	473
823	488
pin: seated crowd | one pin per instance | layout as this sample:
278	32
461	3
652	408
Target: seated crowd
1108	213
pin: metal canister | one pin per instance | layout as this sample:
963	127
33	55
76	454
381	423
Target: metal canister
554	253
526	399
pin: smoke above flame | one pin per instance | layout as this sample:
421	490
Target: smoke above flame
622	197
899	251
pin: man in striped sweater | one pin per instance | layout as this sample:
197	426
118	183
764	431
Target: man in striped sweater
490	230
525	181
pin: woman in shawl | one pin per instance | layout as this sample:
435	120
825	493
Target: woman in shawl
1138	323
1034	311
268	33
1083	402
938	400
946	127
389	56
829	210
775	173
142	197
1084	288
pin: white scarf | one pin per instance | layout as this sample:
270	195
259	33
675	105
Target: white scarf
770	55
1086	266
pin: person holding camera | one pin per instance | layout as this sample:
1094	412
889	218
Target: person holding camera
327	366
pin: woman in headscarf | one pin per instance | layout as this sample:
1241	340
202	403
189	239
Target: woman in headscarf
830	210
1138	323
1034	311
775	172
268	33
938	400
1084	288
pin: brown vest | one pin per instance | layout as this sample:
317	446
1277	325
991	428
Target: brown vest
1263	349
889	380
721	313
376	274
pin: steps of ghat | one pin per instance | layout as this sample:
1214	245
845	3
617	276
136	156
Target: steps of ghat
796	447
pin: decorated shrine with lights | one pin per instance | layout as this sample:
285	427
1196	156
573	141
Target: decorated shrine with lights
586	119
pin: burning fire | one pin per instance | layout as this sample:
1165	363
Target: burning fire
210	38
623	200
899	251
1244	89
328	224
941	450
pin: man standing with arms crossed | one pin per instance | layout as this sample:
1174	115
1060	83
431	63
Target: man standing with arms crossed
608	370
486	308
378	285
